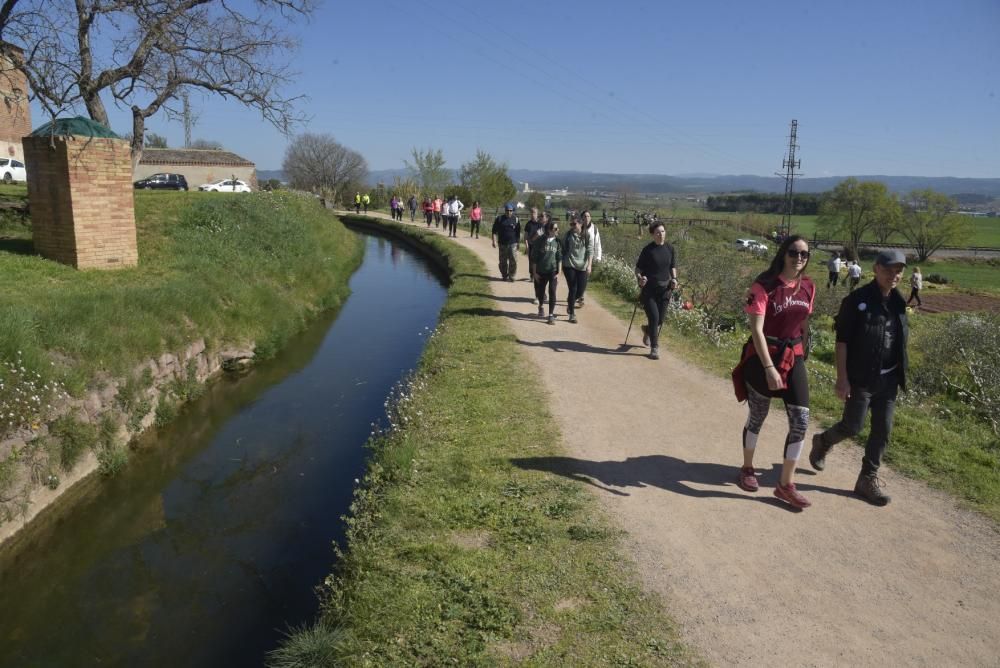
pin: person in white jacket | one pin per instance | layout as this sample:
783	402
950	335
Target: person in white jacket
590	228
455	207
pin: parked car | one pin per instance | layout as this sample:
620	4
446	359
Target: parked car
162	182
12	170
744	244
758	247
226	186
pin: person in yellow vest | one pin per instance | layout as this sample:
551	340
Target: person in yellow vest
365	199
357	202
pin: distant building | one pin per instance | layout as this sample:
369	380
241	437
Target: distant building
197	165
15	115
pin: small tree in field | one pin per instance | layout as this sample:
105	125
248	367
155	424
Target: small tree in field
317	163
929	222
487	180
536	200
853	208
428	170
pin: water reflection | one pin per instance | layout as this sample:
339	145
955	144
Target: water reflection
214	537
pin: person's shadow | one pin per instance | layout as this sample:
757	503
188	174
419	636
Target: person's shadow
668	473
577	347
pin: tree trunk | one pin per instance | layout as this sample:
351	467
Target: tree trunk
95	108
138	136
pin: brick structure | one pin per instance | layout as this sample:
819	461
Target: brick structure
15	115
80	193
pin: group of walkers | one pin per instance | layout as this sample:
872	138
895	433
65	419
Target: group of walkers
854	272
396	207
448	212
871	361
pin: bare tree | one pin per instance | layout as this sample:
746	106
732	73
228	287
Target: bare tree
207	145
317	163
152	51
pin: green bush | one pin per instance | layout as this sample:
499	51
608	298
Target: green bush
938	279
75	437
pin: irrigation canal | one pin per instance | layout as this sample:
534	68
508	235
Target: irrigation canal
210	543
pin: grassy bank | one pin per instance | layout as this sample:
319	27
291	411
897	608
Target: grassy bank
454	555
236	271
937	438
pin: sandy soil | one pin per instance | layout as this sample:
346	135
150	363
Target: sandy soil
749	580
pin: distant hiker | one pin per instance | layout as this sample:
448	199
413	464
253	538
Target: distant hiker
455	207
412	205
853	274
590	229
507	230
872	363
357	202
833	269
438	203
365	201
393	205
656	273
578	251
773	363
546	257
475	218
533	230
916	285
428	208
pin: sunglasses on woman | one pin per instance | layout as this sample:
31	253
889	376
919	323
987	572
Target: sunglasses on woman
803	254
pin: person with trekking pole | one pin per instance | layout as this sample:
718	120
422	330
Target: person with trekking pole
872	362
656	273
546	257
773	361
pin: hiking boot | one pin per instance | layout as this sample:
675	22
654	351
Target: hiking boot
572	318
747	479
645	335
579	302
541	312
871	488
791	496
654	353
817	455
552	320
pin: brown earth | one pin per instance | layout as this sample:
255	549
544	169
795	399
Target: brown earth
956	301
750	581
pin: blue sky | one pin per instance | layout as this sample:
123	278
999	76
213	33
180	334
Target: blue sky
879	87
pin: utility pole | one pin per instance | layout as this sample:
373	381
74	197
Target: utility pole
789	164
188	121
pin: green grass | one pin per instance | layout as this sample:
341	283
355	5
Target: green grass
232	270
455	555
934	440
974	275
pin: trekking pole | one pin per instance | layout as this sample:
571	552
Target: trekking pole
634	310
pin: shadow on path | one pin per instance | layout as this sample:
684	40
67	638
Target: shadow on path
579	347
665	472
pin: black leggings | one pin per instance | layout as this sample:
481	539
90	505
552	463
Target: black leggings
473	227
573	281
914	294
452	225
429	216
551	281
796	391
796	398
582	284
654	303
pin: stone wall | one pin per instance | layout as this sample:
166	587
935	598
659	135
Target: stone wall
199	174
15	115
80	193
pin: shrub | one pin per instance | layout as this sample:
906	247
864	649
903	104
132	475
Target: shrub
26	397
75	437
938	279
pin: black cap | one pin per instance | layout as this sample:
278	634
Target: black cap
890	257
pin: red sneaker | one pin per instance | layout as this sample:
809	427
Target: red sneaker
791	496
747	479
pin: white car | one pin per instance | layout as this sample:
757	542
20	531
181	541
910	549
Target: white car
744	244
758	247
12	170
226	186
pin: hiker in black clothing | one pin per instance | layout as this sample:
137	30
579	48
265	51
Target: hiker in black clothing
507	230
533	231
546	256
656	272
872	363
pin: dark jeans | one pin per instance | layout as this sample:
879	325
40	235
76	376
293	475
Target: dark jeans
550	281
573	283
654	302
914	294
582	286
429	217
881	400
452	225
832	278
474	228
508	260
413	215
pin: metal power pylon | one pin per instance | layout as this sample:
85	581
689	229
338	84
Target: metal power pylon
790	164
188	121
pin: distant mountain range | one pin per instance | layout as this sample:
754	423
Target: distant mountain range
707	183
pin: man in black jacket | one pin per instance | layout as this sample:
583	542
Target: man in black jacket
871	368
507	230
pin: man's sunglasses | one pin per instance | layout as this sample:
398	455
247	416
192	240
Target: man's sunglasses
798	254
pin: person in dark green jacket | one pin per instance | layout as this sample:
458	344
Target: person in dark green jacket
546	256
578	250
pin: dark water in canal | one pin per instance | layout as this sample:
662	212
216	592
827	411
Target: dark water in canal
212	540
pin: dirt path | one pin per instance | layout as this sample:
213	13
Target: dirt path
750	582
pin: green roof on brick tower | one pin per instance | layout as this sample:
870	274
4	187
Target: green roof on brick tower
79	125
